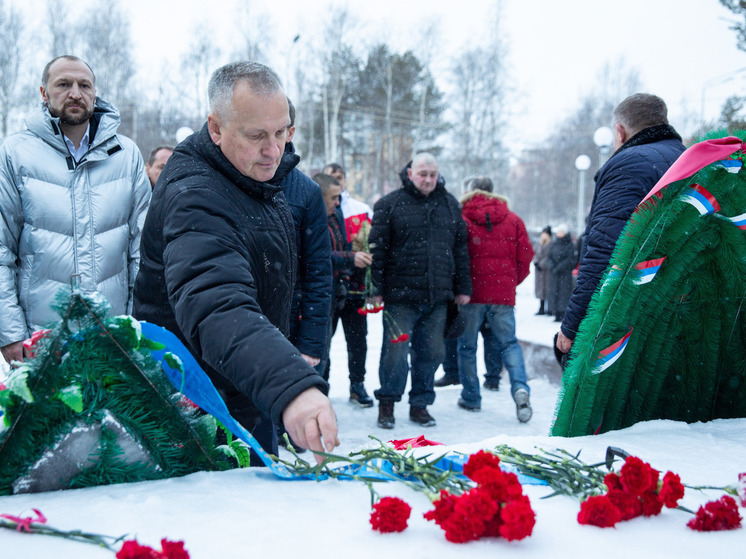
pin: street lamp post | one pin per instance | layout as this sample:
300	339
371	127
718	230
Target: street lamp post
582	164
603	137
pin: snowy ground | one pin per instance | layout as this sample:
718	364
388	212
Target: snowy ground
250	513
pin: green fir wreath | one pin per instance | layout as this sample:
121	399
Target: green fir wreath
685	329
93	407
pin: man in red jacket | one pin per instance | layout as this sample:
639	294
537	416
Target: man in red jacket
500	254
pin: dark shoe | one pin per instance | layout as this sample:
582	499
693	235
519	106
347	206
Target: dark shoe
558	319
491	385
359	396
466	406
386	415
446	381
522	405
421	417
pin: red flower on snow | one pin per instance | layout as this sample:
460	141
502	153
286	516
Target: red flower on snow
672	490
479	461
133	550
599	511
629	505
518	519
637	476
390	514
169	550
717	515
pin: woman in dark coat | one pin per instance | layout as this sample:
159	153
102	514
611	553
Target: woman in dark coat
560	263
541	274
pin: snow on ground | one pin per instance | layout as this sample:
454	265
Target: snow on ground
250	513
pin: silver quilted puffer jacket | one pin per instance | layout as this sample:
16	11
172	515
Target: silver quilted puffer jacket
61	219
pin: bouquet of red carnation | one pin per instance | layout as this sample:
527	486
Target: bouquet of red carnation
635	491
496	507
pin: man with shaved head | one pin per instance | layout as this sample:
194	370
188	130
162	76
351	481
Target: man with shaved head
420	264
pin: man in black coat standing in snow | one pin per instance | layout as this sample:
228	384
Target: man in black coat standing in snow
420	263
218	260
645	147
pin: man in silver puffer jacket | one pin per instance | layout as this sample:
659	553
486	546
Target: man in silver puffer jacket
73	196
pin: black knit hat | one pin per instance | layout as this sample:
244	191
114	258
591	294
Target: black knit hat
547	230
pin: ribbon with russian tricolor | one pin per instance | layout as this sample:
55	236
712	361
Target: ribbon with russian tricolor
607	357
697	157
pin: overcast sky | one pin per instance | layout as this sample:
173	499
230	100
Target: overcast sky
683	49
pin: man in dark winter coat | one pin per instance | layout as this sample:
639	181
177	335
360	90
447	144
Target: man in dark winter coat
309	311
646	146
218	259
420	263
500	254
344	262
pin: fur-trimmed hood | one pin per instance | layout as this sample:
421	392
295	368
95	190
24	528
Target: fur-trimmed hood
484	208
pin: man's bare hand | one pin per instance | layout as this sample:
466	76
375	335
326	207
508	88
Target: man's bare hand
563	342
462	299
311	422
363	259
313	361
13	352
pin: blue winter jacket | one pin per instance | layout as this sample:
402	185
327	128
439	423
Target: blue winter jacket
313	287
621	184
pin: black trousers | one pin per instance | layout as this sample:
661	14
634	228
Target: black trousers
355	326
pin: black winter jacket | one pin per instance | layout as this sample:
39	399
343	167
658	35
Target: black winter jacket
218	269
419	246
313	287
621	184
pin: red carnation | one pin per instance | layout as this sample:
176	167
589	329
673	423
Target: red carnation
518	519
599	511
651	504
173	550
629	506
403	338
363	311
717	515
672	490
611	480
133	550
443	508
390	514
478	461
637	476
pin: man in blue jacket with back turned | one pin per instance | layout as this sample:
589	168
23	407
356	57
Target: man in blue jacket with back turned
645	147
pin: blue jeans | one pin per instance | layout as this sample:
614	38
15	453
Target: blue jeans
493	361
425	325
501	320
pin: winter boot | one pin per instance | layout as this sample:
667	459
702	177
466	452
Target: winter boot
445	380
522	405
420	416
541	308
359	396
386	415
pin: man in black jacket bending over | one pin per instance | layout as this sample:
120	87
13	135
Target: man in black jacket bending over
218	260
646	146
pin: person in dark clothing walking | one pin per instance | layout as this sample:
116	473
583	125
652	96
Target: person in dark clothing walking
645	147
560	263
218	260
420	264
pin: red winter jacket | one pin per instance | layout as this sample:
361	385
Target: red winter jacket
500	251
